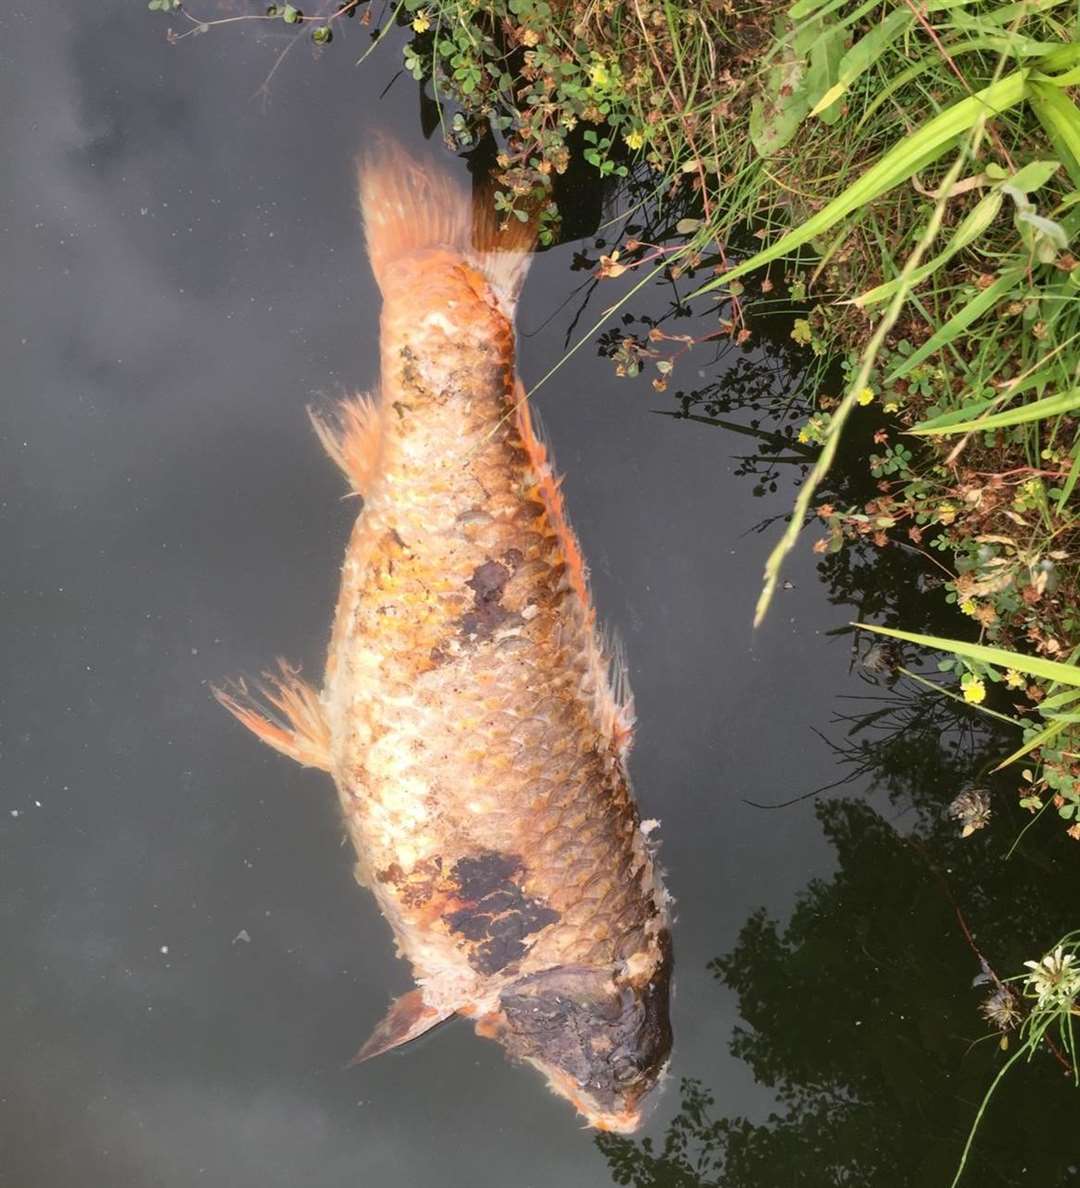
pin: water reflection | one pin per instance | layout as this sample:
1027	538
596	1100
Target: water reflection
860	1012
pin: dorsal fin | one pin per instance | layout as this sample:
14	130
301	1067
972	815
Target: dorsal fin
607	671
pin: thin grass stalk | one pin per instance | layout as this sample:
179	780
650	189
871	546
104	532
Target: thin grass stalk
828	451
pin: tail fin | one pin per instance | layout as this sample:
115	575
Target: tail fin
409	206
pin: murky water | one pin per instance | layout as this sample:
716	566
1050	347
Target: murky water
187	962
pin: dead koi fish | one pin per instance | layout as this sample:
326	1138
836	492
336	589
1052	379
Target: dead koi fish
470	716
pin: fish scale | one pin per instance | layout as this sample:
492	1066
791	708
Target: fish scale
467	715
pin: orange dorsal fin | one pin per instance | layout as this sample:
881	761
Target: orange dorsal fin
550	485
285	712
613	702
353	438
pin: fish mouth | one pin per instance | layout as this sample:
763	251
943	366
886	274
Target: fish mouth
624	1118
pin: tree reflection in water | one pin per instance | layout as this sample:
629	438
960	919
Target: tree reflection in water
861	1015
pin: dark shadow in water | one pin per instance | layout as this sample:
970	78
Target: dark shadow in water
861	1012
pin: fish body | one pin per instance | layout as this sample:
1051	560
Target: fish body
474	726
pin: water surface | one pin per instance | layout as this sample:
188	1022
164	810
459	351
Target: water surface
188	963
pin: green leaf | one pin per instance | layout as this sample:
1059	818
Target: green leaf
914	152
1036	666
1033	176
290	15
826	54
1060	119
864	53
776	114
1048	734
973	225
985	300
1037	410
1065	494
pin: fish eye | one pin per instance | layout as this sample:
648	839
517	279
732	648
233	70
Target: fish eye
625	1070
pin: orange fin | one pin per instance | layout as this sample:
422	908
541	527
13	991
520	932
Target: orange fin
608	674
410	206
551	493
617	703
353	439
294	724
408	1018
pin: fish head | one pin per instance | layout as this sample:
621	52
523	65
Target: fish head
602	1042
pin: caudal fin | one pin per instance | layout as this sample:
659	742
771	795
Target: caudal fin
409	206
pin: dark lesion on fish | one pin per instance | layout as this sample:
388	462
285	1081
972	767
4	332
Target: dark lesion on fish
488	582
496	916
612	1038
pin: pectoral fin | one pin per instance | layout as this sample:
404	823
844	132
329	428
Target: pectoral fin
352	436
285	712
407	1019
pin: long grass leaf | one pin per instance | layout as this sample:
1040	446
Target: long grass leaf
1040	740
843	410
911	154
977	221
1036	666
972	409
1074	474
1037	410
960	321
1060	119
1058	700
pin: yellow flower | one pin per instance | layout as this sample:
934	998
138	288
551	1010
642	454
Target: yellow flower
946	513
968	607
599	75
804	436
634	140
892	407
974	691
1013	679
866	396
421	23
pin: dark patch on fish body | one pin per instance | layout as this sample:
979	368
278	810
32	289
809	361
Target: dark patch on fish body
497	916
487	584
416	887
612	1040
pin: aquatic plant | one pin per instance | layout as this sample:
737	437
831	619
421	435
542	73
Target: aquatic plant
1052	990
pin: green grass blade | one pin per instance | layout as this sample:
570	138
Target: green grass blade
1036	666
1070	482
1060	119
960	321
912	153
1040	740
977	221
1037	410
971	409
